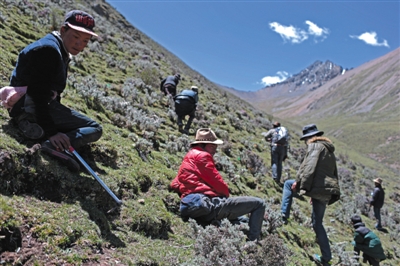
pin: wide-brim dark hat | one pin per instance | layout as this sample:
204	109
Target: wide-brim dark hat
311	130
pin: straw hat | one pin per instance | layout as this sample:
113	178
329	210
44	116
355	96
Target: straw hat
206	135
378	180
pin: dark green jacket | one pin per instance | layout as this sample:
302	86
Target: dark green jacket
368	242
317	176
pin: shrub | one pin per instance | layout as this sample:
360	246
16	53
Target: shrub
225	245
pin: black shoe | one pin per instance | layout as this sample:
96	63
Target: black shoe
278	182
285	220
185	132
61	156
30	130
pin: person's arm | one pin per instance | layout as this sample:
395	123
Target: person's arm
44	64
211	176
162	84
375	196
268	136
175	185
307	168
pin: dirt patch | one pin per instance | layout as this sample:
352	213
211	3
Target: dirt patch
19	246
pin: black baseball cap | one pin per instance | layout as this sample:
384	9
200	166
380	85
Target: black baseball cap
80	21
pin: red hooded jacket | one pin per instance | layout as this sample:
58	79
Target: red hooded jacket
198	174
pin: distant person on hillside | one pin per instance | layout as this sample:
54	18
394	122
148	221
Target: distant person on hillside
366	241
186	104
378	198
169	84
278	138
205	195
317	178
42	67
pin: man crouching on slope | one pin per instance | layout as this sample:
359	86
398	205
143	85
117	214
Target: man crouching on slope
42	67
205	195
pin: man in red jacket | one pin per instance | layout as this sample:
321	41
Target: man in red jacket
205	195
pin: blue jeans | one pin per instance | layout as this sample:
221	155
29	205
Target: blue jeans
317	216
377	215
277	154
79	128
234	207
287	198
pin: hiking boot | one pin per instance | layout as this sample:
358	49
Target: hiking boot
185	132
284	219
180	128
320	261
278	182
65	158
30	130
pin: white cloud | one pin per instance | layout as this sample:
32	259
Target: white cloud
313	29
370	38
289	33
270	80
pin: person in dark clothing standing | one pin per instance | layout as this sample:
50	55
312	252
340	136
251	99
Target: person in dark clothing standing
366	241
42	67
278	149
186	104
169	84
378	198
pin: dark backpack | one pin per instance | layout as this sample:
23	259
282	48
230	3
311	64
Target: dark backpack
195	205
281	136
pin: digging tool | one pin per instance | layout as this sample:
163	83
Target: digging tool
80	159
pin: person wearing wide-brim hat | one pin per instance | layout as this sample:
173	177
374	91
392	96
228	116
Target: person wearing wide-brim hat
317	178
198	181
378	198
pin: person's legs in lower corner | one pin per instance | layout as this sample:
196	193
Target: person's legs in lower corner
234	207
287	198
79	128
318	212
377	215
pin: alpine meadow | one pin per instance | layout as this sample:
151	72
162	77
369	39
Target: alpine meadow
51	216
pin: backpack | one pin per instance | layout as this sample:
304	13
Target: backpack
195	205
281	136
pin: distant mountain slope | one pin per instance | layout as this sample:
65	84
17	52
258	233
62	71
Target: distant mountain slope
309	79
368	94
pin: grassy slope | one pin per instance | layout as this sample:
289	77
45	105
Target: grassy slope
67	215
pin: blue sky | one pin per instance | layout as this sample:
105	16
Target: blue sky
247	45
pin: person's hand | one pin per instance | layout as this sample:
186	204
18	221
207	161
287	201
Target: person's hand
294	185
60	141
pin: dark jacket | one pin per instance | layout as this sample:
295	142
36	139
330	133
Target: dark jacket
42	66
172	80
367	242
378	197
317	176
190	95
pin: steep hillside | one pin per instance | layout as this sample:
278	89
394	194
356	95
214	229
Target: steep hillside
50	216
